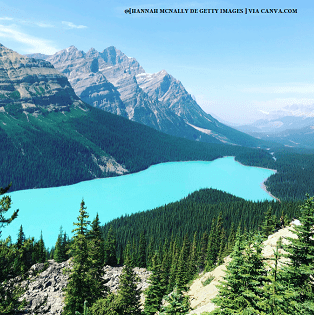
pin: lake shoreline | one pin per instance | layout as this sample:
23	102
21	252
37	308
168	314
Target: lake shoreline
123	195
263	186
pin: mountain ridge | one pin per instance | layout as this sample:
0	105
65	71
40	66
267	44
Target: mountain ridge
157	100
52	138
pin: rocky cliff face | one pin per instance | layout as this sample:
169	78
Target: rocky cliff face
116	83
32	85
109	80
37	101
44	289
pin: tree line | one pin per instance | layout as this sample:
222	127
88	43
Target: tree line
174	255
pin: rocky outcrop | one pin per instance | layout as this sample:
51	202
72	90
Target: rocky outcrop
36	100
32	85
201	296
44	293
44	289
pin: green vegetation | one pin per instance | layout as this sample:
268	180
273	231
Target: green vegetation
177	304
176	242
208	281
85	280
81	139
15	95
250	286
293	179
210	214
8	293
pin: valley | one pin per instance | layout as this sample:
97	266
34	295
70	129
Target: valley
110	158
118	196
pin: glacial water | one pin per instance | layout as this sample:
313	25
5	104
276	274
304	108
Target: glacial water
47	209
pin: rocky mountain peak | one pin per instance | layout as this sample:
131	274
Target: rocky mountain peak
117	83
69	54
112	55
92	53
32	84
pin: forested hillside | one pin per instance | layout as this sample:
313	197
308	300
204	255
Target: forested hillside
62	148
199	214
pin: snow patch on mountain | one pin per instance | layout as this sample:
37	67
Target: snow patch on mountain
207	131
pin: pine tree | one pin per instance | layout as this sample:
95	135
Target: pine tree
241	290
150	253
110	253
269	224
128	296
79	283
231	240
5	205
192	261
39	254
174	266
211	248
299	272
182	274
165	267
141	262
155	291
8	296
222	246
20	238
24	250
203	251
128	255
277	299
96	256
177	304
60	254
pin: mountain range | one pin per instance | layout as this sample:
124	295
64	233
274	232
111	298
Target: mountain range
118	84
292	126
50	137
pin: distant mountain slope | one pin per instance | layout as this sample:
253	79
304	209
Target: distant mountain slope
290	131
156	100
291	126
277	125
49	137
292	138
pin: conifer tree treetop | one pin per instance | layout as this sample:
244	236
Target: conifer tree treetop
5	205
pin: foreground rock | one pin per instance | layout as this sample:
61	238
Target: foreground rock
201	296
44	289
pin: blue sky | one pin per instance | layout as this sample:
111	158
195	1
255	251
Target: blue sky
236	65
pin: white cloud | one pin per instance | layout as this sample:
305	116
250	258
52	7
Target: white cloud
264	112
295	88
45	25
72	25
33	44
283	102
31	23
6	19
27	22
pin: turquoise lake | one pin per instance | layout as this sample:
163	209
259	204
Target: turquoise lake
47	209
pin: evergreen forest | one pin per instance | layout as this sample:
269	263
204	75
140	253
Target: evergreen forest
175	242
